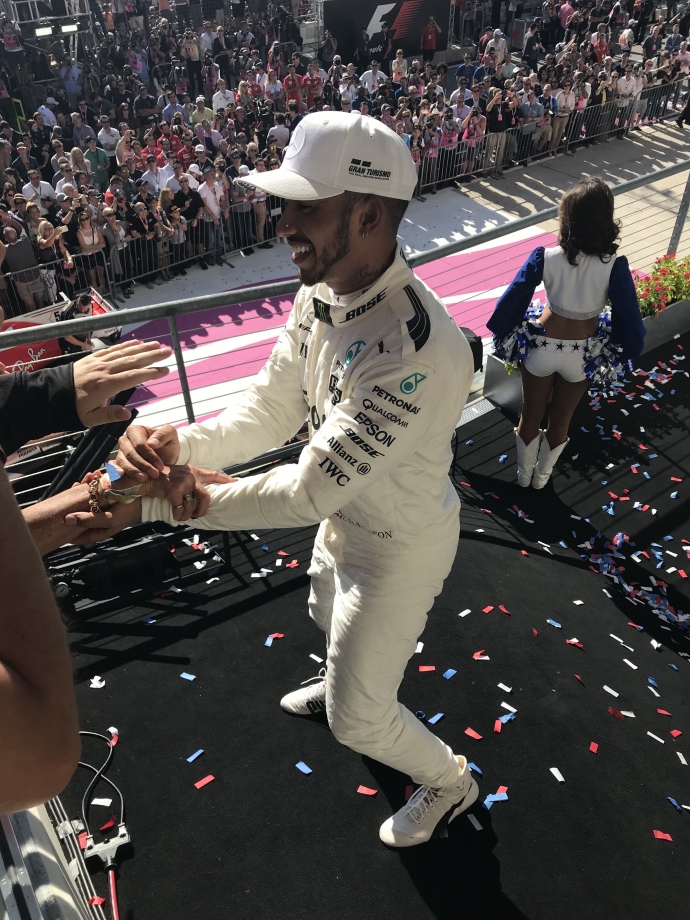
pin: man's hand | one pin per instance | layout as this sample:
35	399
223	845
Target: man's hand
145	452
183	487
105	373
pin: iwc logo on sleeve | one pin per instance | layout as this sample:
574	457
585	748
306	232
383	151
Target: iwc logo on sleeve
364	169
410	384
353	351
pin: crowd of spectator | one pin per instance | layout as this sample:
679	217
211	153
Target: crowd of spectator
134	168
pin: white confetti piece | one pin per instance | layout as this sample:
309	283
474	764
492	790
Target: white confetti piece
654	692
656	738
96	683
464	613
418	650
629	647
557	773
196	538
105	802
254	536
278	562
616	638
479	530
655	644
630	664
475	824
175	589
210	581
578	603
113	730
672	570
258	574
606	592
609	690
504	688
267	571
317	659
682	759
200	565
509	708
629	715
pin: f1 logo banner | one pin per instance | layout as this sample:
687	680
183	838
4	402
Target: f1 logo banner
405	19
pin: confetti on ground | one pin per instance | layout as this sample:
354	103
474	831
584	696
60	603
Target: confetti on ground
656	738
593	746
259	574
509	708
427	667
578	603
554	623
504	688
487	609
420	646
474	768
194	756
504	609
682	759
292	565
82	838
480	656
96	900
303	768
676	733
204	782
630	664
663	712
186	676
96	683
475	824
669	798
105	802
464	613
451	672
534	632
437	718
281	552
615	713
660	835
108	824
254	536
498	725
316	658
557	773
473	734
609	690
365	790
577	677
628	715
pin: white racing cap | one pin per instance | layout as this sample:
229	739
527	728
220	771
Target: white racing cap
335	152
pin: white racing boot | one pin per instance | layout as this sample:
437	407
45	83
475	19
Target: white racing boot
429	810
546	462
527	458
309	700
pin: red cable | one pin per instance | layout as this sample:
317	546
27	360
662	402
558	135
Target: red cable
112	890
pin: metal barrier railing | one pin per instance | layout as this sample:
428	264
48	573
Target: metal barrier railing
491	153
49	283
472	291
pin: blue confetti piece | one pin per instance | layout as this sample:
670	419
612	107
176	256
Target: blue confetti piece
269	642
475	769
437	718
188	676
499	797
303	768
646	474
563	544
675	667
604	482
112	472
650	680
652	456
503	458
195	755
668	537
673	802
508	717
488	802
265	547
420	714
674	495
149	620
554	623
451	672
582	428
469	442
673	392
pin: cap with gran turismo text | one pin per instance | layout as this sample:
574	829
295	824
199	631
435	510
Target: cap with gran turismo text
334	152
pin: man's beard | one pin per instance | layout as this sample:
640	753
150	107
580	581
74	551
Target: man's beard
337	248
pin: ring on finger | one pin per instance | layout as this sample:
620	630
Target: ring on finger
177	507
189	497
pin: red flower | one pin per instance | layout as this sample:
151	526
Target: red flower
664	271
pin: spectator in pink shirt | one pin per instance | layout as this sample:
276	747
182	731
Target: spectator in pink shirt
564	14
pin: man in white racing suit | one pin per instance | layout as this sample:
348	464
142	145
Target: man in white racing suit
371	359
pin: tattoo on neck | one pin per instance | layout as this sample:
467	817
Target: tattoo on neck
366	273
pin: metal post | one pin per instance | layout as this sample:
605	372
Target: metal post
175	335
680	219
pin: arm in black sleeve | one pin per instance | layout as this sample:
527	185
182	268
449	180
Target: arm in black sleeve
36	403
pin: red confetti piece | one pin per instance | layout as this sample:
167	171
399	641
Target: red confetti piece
676	479
498	725
204	782
577	677
676	733
427	667
466	484
109	824
486	511
613	495
479	654
501	790
365	790
524	552
593	746
645	508
660	835
96	901
113	741
643	552
663	712
409	792
277	636
615	713
682	573
281	552
642	447
633	469
473	734
624	498
487	610
574	642
292	565
197	546
82	838
634	625
504	609
534	632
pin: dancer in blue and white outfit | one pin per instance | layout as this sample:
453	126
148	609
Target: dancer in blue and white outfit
575	341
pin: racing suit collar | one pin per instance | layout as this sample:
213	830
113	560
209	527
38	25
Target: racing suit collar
352	307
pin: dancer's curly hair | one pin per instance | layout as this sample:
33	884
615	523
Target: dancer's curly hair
586	221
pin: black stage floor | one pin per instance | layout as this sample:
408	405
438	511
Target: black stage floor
263	840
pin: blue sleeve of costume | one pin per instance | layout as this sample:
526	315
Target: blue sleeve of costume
627	328
515	300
